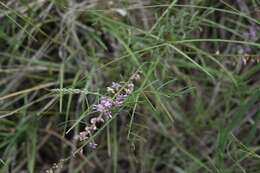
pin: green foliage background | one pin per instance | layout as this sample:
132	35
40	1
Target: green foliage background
196	108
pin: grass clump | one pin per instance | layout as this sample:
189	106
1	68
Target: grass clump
194	109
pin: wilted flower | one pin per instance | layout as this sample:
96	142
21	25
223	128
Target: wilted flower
83	135
110	90
130	88
96	120
108	114
55	166
136	77
94	127
89	130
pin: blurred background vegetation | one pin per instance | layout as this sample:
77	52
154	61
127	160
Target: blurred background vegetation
196	108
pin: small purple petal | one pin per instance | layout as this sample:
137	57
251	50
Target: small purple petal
92	145
247	49
120	100
106	102
252	31
99	108
116	85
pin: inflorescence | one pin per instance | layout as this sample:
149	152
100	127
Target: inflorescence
117	95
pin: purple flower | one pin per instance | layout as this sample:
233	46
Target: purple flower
116	86
106	102
99	108
105	106
252	32
251	35
247	49
120	100
92	145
